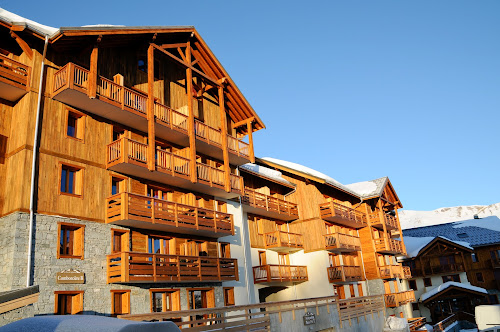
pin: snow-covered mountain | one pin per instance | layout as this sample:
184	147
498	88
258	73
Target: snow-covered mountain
412	219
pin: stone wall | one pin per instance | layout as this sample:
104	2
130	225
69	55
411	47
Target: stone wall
97	296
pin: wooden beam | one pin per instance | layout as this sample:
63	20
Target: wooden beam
191	131
244	122
225	151
24	46
92	88
173	45
181	54
250	141
151	110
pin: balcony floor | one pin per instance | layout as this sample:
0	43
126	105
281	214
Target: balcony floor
10	92
344	221
270	214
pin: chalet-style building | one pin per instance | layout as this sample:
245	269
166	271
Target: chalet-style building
129	185
439	278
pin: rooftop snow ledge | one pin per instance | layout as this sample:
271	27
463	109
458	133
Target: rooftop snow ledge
267	173
14	19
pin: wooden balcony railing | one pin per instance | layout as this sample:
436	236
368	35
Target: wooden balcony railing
392	246
443	268
406	272
270	206
14	73
131	267
147	212
391	222
236	182
396	299
345	273
338	213
279	273
457	316
210	175
391	271
342	242
74	77
283	241
416	323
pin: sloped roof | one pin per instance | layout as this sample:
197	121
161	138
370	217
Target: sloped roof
441	288
414	245
267	173
367	189
476	232
14	19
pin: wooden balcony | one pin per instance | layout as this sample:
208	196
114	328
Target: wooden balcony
379	219
406	272
14	79
283	241
129	106
338	242
430	269
397	299
389	246
136	267
279	273
132	210
345	273
342	215
416	323
391	271
268	206
131	157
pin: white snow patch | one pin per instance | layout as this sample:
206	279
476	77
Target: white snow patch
102	26
428	327
12	18
266	172
363	188
415	244
447	284
491	223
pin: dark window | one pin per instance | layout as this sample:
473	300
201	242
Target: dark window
493	299
412	284
70	241
72	120
462	235
427	282
414	306
479	277
70	180
141	65
452	277
229	296
475	259
75	125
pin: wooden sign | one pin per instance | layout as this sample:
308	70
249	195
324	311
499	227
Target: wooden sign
309	318
70	277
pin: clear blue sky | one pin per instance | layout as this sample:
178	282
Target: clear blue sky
354	89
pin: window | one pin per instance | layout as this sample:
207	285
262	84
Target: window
360	290
339	291
262	258
70	240
474	257
3	148
117	185
452	277
119	240
414	306
225	251
71	180
143	66
75	125
229	296
462	235
412	284
351	290
427	282
120	302
164	300
479	277
68	302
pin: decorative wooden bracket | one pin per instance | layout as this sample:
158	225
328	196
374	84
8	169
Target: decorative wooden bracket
25	47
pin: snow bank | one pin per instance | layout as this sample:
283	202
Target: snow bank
12	18
266	172
447	284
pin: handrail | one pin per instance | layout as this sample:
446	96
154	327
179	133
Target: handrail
269	203
127	205
237	146
129	266
389	220
14	72
334	209
342	241
236	182
344	273
407	272
210	174
392	245
171	117
283	239
391	271
210	134
275	272
399	298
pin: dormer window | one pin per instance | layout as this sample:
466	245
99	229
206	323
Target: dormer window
462	235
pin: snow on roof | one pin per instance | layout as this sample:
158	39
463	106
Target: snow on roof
369	188
309	171
415	244
13	19
491	223
448	284
267	173
102	26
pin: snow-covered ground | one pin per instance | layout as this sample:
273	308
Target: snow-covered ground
412	219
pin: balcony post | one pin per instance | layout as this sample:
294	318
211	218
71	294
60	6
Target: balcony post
196	218
199	268
71	75
124	152
124	267
124	204
92	85
154	267
218	269
151	110
250	140
223	129
191	128
403	247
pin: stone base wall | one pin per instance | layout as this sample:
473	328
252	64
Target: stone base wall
97	296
